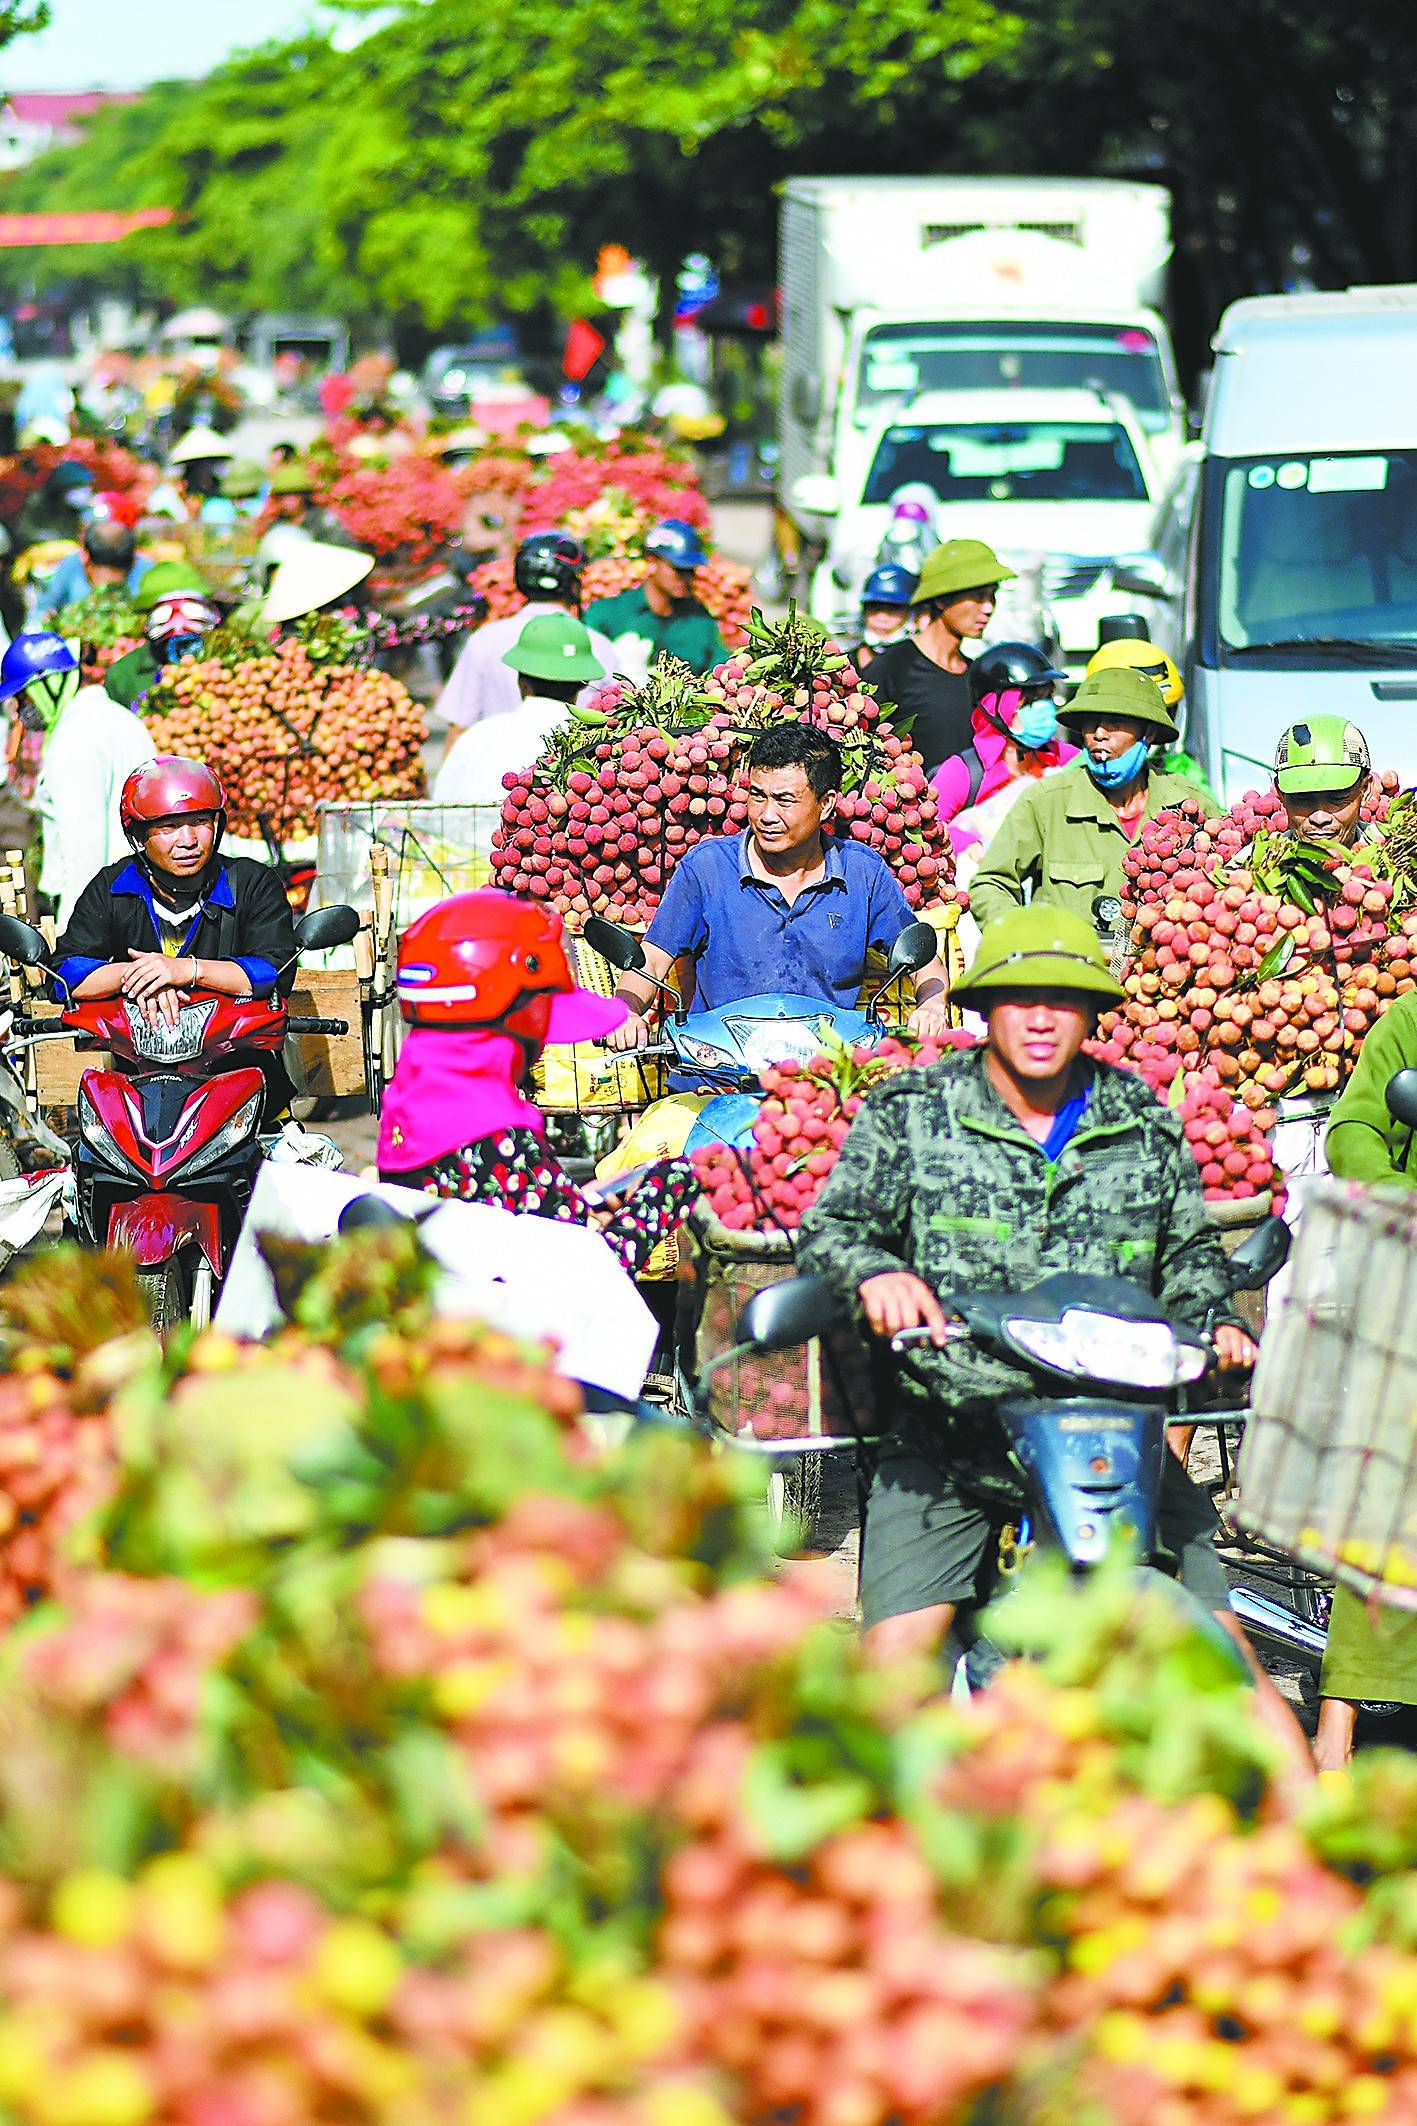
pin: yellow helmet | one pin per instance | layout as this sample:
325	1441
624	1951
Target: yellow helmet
1139	656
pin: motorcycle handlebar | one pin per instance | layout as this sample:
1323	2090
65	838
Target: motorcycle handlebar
298	1025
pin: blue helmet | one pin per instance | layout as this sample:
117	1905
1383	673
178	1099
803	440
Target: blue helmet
678	543
889	585
41	655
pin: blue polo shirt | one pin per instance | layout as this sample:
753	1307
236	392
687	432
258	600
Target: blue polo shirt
746	940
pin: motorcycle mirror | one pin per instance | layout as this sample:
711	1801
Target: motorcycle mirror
321	928
616	944
1263	1255
916	946
22	942
782	1315
369	1213
1401	1087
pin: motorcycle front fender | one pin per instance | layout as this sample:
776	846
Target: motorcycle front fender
153	1227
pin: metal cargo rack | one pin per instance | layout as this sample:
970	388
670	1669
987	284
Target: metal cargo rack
1328	1465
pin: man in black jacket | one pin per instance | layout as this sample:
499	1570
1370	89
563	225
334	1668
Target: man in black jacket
178	916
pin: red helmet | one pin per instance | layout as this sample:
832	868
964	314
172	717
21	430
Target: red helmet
488	959
167	788
117	508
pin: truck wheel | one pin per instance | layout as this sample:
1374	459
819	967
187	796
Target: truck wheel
165	1290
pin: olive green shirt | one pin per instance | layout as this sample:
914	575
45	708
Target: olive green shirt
1364	1143
1062	839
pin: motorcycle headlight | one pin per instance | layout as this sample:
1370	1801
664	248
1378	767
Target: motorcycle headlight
1091	1346
780	1041
231	1133
96	1133
695	1051
162	1043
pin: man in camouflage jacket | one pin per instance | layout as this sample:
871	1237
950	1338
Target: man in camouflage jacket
987	1171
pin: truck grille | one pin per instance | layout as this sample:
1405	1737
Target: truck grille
1071	575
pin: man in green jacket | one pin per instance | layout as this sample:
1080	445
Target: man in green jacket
179	609
662	616
1064	839
987	1171
1370	1655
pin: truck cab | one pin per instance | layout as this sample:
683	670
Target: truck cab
897	288
1062	478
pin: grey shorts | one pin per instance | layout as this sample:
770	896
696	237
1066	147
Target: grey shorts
925	1542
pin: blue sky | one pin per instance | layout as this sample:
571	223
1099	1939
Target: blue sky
125	43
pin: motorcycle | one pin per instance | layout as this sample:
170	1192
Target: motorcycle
169	1146
1084	1454
723	1052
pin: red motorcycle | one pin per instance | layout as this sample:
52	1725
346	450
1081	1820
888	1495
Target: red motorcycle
169	1142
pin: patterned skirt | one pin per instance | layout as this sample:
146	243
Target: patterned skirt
514	1171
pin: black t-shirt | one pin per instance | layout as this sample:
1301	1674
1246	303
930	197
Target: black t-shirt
907	680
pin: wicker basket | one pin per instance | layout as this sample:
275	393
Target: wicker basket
799	1399
1328	1466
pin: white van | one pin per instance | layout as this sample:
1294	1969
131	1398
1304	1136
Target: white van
1297	591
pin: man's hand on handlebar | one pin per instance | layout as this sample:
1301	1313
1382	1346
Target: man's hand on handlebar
1235	1349
633	1034
154	983
899	1300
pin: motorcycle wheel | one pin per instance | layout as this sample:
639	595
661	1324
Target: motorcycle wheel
795	1497
165	1291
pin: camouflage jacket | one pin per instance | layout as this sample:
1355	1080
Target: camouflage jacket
938	1177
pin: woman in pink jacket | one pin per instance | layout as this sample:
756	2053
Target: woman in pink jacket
1012	686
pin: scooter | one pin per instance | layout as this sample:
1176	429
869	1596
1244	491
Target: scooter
723	1052
169	1142
1082	1458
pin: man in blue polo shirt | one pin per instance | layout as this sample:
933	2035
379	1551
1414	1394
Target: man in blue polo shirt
780	908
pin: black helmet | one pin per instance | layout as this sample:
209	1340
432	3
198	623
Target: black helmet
1011	664
548	565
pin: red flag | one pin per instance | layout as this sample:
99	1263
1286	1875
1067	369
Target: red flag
584	347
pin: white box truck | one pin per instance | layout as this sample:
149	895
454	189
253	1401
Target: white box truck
897	287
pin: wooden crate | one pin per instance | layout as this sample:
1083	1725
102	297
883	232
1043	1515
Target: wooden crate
334	1063
59	1065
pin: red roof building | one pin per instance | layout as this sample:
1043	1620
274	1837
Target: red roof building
32	121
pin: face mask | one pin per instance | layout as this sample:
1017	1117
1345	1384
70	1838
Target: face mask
44	701
1115	774
169	650
1036	725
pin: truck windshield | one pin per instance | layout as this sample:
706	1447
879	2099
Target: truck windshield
901	362
1017	461
1315	549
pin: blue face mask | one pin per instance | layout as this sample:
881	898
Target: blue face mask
1035	725
1116	774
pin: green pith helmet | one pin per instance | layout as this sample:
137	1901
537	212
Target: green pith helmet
165	579
242	481
1321	753
1038	947
293	479
554	646
1122	692
959	565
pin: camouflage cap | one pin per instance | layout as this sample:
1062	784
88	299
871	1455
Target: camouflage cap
1321	753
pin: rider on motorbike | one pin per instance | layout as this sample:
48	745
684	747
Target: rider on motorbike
547	572
885	611
89	746
177	915
986	1171
781	907
180	609
484	984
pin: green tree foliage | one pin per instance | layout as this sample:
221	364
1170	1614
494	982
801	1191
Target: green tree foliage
464	162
